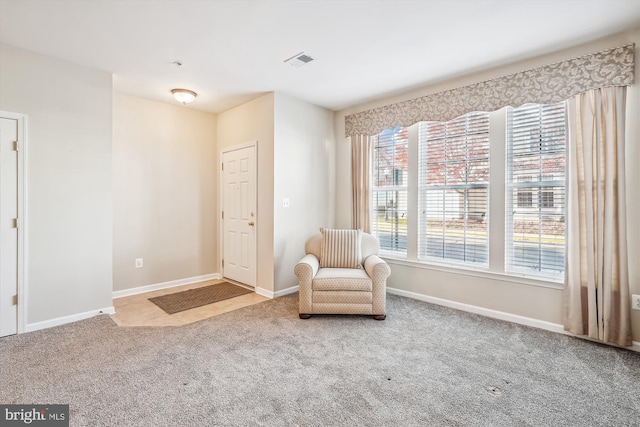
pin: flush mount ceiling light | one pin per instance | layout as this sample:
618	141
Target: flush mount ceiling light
299	60
185	96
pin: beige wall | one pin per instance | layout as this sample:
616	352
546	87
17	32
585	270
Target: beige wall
304	173
69	194
295	161
246	123
165	192
506	294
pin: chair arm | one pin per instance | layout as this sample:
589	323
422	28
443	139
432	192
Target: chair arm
378	270
306	269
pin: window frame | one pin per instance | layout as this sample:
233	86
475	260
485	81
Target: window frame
476	126
537	182
496	226
397	189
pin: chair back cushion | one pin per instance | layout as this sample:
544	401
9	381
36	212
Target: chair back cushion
341	248
369	245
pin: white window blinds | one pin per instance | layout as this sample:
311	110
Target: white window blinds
535	228
453	189
389	190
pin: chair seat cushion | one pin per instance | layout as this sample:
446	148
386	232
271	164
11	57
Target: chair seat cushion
342	279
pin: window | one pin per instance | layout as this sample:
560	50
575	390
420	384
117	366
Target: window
535	150
435	184
389	210
546	199
525	199
453	189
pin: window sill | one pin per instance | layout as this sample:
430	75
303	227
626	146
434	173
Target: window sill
513	278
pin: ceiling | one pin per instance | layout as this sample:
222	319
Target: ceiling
234	51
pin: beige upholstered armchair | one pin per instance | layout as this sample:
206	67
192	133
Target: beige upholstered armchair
342	274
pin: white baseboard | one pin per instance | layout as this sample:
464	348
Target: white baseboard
495	314
68	319
264	292
291	290
280	293
164	285
541	324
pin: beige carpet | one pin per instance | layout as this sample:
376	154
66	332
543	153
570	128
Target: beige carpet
186	300
262	366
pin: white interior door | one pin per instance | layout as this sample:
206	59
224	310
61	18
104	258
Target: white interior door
8	227
239	214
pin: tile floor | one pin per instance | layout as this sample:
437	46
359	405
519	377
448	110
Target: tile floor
137	310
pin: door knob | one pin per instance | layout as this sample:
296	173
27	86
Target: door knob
251	224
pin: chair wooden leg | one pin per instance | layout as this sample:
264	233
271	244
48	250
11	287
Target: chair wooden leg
380	316
304	316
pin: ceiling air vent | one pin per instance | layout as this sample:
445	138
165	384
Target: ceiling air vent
299	60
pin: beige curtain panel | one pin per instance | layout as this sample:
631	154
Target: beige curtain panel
596	297
360	176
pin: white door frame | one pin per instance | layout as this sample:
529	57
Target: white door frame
22	216
221	206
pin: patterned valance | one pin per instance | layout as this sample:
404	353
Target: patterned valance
544	85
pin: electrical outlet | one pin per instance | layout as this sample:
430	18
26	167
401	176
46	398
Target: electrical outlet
285	202
635	302
139	262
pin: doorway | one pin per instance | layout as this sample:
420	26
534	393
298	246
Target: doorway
12	130
239	214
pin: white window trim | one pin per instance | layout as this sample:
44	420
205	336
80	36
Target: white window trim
467	271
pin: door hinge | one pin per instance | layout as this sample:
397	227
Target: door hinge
223	263
16	146
223	166
15	300
222	214
16	223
